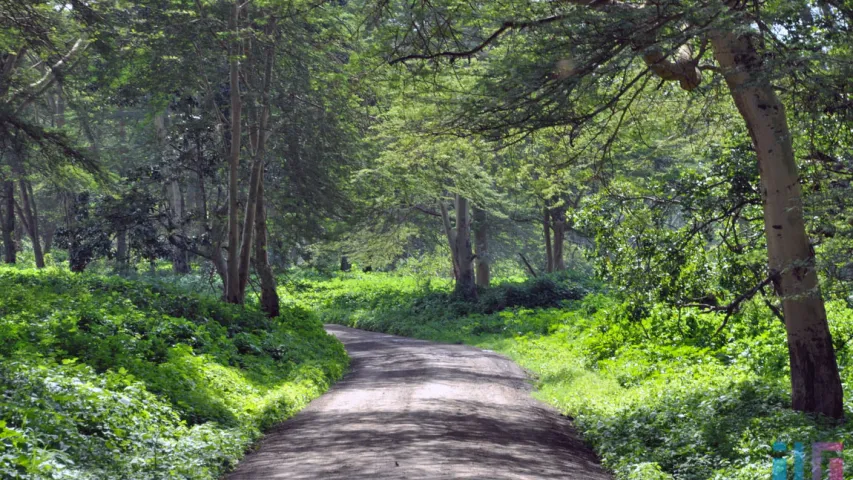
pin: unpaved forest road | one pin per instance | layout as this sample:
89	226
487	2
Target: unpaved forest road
420	410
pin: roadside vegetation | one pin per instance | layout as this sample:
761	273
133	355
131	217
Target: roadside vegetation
104	378
658	394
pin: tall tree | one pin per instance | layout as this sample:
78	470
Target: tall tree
8	219
459	240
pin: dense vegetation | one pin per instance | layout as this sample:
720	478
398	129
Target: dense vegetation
107	378
658	396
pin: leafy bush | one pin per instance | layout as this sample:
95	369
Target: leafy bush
107	378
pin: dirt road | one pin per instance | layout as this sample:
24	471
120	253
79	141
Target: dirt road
411	409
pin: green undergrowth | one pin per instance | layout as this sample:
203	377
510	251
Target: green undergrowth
654	392
103	378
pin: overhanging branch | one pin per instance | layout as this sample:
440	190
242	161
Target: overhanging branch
485	43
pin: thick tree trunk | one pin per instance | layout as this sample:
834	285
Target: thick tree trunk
232	288
48	234
466	287
546	230
481	248
269	296
180	261
461	256
9	246
31	220
19	233
558	224
815	382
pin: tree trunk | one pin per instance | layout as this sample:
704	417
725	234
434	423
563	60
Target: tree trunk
180	256
450	234
59	112
6	238
77	261
31	220
815	382
546	230
19	232
258	133
219	261
121	252
180	261
459	240
9	246
232	290
558	224
481	248
269	295
48	235
249	228
466	287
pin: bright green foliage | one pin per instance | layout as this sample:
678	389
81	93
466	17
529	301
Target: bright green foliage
653	391
377	301
106	378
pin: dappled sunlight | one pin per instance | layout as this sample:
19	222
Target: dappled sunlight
417	409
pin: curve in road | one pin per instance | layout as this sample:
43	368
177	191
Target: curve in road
411	409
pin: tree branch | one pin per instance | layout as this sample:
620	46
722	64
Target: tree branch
732	307
50	76
426	210
485	43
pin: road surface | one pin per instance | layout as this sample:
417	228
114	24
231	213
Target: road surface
411	409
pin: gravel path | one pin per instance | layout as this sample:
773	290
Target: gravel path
421	410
